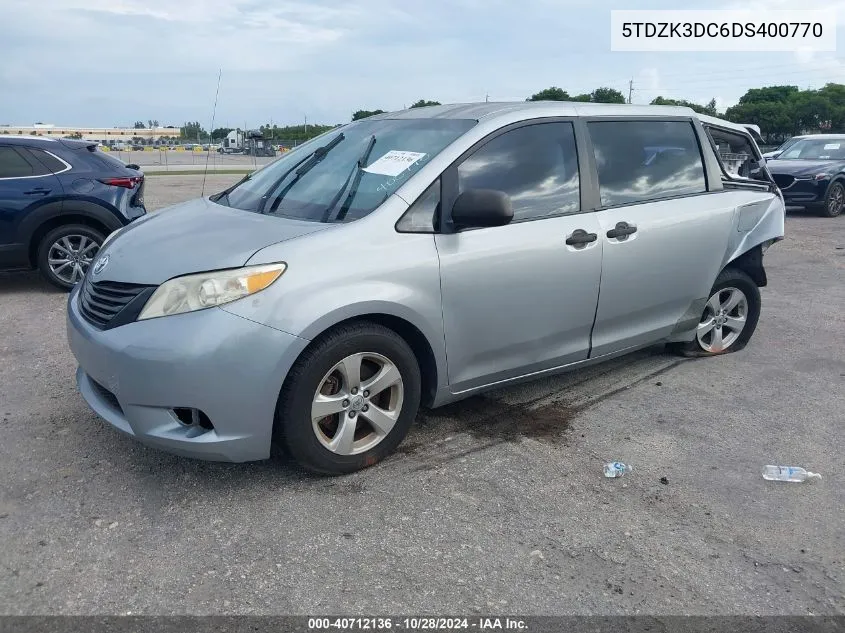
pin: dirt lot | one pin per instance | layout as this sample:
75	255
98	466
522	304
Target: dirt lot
496	504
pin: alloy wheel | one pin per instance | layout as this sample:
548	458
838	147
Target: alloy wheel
723	320
836	199
70	256
357	403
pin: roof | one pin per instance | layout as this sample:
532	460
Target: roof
20	139
479	111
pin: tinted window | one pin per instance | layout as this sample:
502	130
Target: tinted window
420	217
12	164
50	162
536	165
646	160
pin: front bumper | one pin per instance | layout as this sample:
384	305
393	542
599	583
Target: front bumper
232	369
805	192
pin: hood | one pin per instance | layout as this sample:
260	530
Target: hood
801	168
192	237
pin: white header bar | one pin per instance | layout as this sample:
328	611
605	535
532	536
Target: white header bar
720	31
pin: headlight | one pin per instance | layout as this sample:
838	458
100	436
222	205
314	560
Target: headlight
206	290
824	176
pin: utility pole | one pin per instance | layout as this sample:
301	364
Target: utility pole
630	89
306	126
486	98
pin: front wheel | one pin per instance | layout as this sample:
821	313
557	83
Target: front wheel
730	316
66	252
834	200
349	400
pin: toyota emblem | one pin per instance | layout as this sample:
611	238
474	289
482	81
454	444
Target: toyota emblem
101	263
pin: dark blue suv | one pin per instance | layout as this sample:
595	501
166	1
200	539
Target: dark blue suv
59	199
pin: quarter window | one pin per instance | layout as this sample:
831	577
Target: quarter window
639	161
13	165
536	165
50	162
421	215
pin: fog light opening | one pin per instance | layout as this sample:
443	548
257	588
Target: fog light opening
191	417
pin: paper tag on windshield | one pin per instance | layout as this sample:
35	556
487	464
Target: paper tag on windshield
394	163
831	146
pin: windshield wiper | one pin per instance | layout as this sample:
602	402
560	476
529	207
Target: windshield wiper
302	167
358	173
217	197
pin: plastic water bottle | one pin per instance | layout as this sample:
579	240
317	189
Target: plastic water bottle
788	473
616	469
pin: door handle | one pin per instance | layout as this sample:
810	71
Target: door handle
580	237
38	191
622	230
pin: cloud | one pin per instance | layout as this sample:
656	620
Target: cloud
110	62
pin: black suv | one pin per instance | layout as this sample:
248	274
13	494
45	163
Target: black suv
59	199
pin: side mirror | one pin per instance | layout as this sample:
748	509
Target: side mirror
476	208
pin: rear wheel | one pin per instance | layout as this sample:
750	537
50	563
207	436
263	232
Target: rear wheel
349	400
834	200
729	318
66	252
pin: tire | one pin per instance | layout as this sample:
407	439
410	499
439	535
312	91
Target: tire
320	375
728	283
834	200
76	244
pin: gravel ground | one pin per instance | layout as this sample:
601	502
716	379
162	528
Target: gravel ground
496	504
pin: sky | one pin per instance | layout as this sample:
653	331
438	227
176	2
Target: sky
112	62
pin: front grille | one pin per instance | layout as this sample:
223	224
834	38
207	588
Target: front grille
784	181
106	395
108	304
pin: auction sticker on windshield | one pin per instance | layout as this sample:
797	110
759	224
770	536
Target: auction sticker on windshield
394	163
831	146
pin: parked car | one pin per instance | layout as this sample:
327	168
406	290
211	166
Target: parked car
811	173
419	258
59	199
137	147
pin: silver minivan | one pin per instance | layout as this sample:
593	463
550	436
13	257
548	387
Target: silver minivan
415	258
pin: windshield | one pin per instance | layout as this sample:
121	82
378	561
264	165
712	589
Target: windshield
816	149
787	144
345	173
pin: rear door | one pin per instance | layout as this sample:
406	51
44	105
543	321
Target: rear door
26	185
520	298
664	234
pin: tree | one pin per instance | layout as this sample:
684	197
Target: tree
220	132
586	97
192	131
152	123
363	114
423	103
709	109
607	95
550	94
139	125
72	135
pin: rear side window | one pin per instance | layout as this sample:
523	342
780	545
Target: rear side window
50	162
536	165
13	164
639	161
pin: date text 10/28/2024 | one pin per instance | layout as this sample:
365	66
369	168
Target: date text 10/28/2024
417	624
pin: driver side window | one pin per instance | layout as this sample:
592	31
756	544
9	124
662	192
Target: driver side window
536	165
